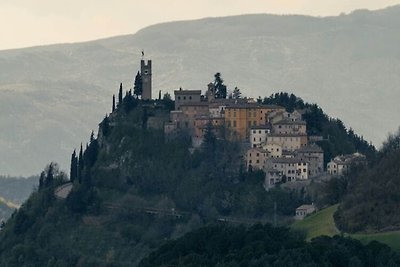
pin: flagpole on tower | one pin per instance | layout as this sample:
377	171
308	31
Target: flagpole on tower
142	54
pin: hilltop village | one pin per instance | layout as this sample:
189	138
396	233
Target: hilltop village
273	139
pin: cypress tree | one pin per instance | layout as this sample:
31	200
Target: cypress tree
80	165
92	137
74	167
120	95
113	105
159	95
138	85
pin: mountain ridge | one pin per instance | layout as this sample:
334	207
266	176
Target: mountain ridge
350	72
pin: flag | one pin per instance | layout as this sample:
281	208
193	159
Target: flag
142	53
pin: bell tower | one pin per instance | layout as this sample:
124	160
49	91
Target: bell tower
145	72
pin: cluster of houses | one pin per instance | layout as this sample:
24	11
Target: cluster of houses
277	139
283	150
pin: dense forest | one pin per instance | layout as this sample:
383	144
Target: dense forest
263	245
372	202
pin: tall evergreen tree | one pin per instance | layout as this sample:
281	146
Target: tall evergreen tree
113	104
92	137
159	95
138	85
220	87
74	167
80	165
120	95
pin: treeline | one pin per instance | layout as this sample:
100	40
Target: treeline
338	139
373	201
263	245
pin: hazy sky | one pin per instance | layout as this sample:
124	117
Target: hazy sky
34	22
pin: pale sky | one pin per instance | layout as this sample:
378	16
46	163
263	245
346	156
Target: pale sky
36	22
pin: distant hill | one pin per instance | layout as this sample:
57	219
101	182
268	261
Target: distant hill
52	96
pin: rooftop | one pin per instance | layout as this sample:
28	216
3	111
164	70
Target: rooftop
187	92
291	122
306	207
311	148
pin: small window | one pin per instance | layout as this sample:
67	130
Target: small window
179	98
258	154
259	131
258	161
184	98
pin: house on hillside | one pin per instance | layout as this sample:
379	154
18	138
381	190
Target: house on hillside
258	134
341	164
304	210
256	158
314	155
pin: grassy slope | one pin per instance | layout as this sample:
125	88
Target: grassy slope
322	223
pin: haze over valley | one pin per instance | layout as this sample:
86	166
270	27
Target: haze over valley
51	97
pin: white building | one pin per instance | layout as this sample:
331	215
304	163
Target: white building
304	210
258	135
292	169
341	164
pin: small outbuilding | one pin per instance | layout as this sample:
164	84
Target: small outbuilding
304	210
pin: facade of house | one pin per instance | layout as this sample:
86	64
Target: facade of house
287	126
289	142
274	150
256	158
314	155
304	210
186	97
341	164
240	117
279	115
291	168
258	135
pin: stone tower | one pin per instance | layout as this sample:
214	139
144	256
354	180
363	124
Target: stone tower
145	71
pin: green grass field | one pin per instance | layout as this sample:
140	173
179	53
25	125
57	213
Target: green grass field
322	223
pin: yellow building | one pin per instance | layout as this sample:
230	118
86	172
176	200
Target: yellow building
240	117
